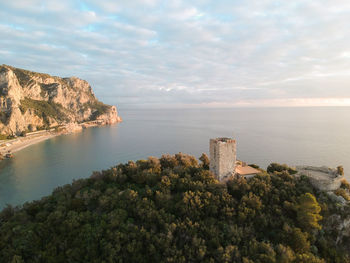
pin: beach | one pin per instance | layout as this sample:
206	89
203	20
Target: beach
15	145
19	143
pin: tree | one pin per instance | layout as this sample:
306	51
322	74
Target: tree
205	161
285	254
298	240
174	210
17	259
308	212
276	167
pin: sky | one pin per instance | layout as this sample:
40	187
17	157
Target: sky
193	53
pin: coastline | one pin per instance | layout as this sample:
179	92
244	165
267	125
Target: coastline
19	143
23	142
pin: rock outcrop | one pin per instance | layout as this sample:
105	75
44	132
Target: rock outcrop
322	178
31	101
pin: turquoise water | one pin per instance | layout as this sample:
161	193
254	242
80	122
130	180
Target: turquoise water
315	136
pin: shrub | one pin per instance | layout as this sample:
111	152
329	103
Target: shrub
98	108
308	212
345	185
4	117
3	137
44	109
276	167
205	161
342	192
340	170
254	166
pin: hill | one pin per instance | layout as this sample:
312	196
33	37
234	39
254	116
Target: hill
172	209
31	101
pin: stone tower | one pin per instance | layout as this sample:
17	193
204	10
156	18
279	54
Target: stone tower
222	157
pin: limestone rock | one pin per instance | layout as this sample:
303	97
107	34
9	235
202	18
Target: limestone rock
322	178
73	127
342	226
337	198
29	100
111	116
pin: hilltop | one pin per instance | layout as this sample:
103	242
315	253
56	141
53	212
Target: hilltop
172	209
31	101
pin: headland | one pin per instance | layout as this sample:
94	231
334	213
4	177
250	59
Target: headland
37	106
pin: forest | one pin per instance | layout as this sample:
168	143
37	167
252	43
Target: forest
172	209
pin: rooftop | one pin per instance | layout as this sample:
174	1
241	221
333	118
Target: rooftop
246	170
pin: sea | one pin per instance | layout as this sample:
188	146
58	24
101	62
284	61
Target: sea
295	136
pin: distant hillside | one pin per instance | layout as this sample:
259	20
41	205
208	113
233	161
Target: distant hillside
31	100
172	209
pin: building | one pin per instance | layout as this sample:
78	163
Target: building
222	157
223	161
246	171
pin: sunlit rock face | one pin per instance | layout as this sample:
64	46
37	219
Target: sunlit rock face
322	178
30	100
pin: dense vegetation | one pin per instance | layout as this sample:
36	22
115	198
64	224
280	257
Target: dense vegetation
97	107
172	210
44	109
24	76
4	137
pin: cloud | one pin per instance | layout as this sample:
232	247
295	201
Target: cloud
176	52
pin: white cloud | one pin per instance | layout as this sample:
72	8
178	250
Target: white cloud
192	52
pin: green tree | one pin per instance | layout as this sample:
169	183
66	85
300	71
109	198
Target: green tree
298	240
308	212
276	167
285	254
205	161
17	259
173	210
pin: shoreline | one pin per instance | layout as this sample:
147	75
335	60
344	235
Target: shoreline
23	142
20	143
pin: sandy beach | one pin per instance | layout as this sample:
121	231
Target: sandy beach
20	143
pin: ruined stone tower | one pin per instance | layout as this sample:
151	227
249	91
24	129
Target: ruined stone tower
222	157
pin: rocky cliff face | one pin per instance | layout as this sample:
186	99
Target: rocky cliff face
30	100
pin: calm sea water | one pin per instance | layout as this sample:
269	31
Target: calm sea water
314	136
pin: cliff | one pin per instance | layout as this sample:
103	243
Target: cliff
31	101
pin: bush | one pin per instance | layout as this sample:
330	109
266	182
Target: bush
24	76
254	166
98	108
205	161
3	137
342	192
4	117
276	167
44	109
345	184
340	170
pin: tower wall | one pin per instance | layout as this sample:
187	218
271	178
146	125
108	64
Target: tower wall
222	157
